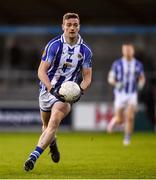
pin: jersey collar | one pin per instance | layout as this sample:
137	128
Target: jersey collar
80	40
124	59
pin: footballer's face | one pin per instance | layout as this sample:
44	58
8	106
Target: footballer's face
128	51
71	28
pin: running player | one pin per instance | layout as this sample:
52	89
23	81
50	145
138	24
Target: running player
127	77
63	59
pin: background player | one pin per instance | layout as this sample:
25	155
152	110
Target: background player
127	77
63	59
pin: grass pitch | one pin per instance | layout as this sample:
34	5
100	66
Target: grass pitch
83	155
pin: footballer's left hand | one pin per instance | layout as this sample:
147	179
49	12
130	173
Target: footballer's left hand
55	92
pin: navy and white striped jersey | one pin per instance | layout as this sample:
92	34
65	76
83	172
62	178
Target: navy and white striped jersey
65	61
128	73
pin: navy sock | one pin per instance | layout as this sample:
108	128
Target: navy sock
36	153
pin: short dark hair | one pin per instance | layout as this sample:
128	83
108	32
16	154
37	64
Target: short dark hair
70	15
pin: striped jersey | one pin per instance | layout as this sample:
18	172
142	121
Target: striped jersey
127	72
65	61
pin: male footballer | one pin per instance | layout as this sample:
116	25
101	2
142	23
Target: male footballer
127	77
63	59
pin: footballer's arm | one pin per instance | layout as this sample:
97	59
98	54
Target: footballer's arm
112	81
87	78
111	78
42	74
141	81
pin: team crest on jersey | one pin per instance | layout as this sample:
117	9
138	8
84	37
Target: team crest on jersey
80	56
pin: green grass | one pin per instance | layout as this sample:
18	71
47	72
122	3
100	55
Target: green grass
83	155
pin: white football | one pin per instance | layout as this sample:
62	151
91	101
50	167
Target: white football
70	90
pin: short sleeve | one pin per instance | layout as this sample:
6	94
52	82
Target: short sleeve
88	59
139	68
114	67
49	52
111	74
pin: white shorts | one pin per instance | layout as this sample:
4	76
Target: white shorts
46	101
123	100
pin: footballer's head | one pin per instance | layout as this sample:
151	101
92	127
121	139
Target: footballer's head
128	51
71	25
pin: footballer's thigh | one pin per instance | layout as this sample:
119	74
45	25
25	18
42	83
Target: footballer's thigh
119	107
46	102
119	114
58	112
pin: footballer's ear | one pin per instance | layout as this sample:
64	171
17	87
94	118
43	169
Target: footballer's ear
79	27
63	27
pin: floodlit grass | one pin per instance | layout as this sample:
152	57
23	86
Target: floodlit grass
83	155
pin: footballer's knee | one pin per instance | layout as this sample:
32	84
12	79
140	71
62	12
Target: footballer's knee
130	118
119	118
44	127
130	114
45	116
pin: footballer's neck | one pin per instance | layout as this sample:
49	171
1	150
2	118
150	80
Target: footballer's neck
128	58
71	40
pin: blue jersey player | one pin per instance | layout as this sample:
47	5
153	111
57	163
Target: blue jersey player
63	59
127	77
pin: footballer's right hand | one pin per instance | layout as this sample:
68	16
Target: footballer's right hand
55	92
119	85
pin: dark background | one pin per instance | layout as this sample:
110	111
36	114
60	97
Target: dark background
108	12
